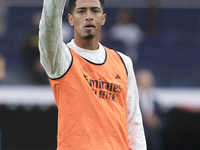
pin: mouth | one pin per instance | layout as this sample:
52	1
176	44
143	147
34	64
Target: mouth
89	26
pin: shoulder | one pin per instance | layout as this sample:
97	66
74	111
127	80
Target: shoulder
125	58
127	62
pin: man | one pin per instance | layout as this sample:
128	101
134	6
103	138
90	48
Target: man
2	76
151	110
95	92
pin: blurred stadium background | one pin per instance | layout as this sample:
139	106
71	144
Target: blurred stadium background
28	115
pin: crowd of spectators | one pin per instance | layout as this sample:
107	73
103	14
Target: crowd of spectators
139	33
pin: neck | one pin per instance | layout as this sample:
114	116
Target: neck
90	44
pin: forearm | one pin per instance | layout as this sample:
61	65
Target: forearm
135	131
53	51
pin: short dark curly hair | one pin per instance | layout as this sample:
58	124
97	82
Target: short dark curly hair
72	5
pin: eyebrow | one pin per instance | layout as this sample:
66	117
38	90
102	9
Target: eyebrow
86	8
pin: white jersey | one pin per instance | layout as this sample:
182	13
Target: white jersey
56	59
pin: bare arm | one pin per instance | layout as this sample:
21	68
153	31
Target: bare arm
54	54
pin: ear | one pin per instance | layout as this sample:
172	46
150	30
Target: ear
70	19
104	19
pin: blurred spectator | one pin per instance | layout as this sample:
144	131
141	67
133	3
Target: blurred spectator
150	109
68	31
3	17
126	30
152	17
30	52
2	76
2	68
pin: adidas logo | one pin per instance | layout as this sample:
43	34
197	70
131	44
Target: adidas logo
117	77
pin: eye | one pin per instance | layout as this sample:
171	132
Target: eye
81	11
95	11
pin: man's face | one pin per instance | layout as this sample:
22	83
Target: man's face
87	19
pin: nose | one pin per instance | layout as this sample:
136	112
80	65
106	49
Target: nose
89	16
